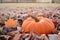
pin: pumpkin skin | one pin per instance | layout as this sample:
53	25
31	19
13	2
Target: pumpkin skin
11	23
44	26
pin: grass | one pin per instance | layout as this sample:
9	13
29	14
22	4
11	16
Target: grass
28	4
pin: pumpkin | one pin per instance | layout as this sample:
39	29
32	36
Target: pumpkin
38	25
11	23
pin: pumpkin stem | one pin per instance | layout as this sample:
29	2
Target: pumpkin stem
36	19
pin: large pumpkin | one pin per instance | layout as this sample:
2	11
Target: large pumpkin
39	25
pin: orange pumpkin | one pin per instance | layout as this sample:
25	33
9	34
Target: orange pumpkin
39	25
11	23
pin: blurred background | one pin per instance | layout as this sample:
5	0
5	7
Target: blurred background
40	1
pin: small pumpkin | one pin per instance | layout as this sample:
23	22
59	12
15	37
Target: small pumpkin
39	25
11	23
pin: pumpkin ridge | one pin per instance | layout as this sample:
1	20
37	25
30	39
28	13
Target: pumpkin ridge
24	24
42	27
48	27
50	23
